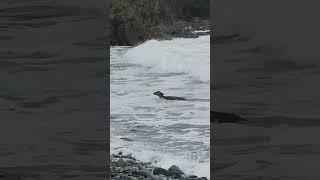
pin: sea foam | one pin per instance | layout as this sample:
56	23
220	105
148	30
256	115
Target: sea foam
180	55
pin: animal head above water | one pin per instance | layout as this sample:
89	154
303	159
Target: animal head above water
158	93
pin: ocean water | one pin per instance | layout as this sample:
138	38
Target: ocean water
152	129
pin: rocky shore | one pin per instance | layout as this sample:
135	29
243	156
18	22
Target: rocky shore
133	22
126	167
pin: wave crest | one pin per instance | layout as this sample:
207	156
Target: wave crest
190	56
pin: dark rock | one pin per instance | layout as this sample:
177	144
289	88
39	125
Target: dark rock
176	171
120	163
192	177
141	167
125	177
158	171
116	178
203	178
130	168
126	139
128	157
145	174
132	162
195	178
133	22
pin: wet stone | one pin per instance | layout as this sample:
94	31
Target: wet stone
121	163
125	177
176	172
158	171
125	167
130	168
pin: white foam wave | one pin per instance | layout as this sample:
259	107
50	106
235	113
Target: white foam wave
180	55
191	164
167	133
201	31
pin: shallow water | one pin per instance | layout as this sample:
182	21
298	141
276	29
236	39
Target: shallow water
152	129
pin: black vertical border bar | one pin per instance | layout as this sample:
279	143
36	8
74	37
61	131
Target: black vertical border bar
212	155
108	34
285	33
54	89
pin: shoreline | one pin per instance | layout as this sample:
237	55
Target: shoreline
134	22
126	167
179	29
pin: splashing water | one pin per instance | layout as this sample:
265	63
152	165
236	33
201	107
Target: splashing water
155	130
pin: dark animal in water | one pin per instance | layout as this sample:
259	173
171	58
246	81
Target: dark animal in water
161	95
222	117
218	117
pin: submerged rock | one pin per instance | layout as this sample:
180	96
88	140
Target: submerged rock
126	139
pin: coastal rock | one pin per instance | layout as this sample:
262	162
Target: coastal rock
145	174
120	163
122	168
203	178
176	172
133	22
132	162
125	177
130	169
195	178
158	171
